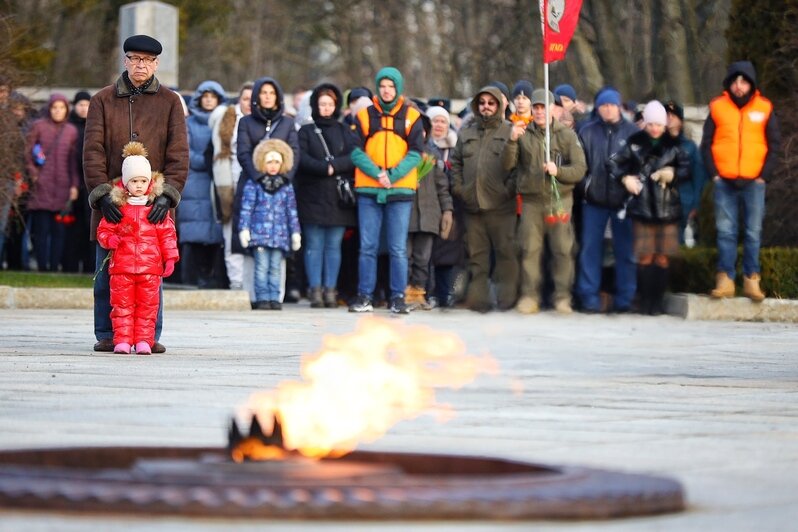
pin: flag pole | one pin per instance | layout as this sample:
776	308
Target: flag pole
548	111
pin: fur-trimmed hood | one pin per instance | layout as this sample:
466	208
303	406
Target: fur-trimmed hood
119	194
264	147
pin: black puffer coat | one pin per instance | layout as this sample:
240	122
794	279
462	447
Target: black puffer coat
316	191
642	157
258	125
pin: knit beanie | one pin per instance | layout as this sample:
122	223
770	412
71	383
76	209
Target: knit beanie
80	96
565	90
608	95
135	163
435	110
654	113
524	87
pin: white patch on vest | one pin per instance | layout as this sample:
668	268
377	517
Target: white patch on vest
756	116
407	126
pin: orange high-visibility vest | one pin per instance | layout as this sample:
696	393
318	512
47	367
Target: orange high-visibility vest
740	145
386	141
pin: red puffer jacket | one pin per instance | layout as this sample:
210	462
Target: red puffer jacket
144	247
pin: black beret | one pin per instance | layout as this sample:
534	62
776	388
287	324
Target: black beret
142	43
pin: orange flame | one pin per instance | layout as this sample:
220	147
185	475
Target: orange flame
361	384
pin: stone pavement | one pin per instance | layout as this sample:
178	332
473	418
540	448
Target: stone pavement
713	404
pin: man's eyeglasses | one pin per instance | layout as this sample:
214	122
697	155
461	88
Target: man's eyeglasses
141	59
488	103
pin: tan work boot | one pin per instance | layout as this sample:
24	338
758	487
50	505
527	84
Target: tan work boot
751	288
414	295
527	305
563	306
724	286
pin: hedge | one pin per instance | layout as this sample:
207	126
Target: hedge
693	271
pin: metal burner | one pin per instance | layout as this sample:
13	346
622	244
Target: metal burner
361	485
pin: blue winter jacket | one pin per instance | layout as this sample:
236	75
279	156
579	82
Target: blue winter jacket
270	218
197	218
600	141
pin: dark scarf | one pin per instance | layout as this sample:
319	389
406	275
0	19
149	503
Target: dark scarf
132	88
323	121
742	102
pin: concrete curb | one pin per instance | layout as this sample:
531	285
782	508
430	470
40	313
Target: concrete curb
83	298
687	306
701	307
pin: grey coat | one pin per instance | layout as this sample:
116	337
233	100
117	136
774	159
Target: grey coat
431	199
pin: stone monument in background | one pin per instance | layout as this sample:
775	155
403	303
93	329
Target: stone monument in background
160	21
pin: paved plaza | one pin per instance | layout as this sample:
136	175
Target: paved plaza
712	404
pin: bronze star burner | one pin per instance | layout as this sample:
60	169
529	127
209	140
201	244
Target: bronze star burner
361	485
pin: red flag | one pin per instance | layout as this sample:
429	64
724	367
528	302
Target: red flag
558	18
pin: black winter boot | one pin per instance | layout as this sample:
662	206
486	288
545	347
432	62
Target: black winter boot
659	283
644	274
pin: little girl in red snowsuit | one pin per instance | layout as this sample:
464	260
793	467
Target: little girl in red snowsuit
141	252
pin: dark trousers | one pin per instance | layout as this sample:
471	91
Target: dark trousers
492	232
47	236
419	252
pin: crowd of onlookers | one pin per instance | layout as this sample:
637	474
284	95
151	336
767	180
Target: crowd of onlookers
576	202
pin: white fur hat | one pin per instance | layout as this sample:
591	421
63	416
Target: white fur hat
135	163
655	113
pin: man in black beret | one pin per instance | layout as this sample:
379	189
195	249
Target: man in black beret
143	44
135	108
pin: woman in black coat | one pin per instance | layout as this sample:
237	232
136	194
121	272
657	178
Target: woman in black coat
267	120
650	166
324	220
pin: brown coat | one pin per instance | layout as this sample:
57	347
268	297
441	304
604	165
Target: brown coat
155	118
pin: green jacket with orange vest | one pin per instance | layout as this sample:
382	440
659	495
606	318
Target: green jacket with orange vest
741	135
390	138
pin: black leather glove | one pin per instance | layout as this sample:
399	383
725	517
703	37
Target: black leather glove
110	211
160	208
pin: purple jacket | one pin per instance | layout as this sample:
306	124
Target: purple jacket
51	182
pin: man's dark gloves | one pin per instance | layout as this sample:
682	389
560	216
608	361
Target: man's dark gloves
160	208
110	211
272	183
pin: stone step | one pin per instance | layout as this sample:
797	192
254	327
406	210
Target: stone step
83	298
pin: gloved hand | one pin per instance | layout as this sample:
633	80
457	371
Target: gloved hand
632	184
110	211
296	241
113	242
168	268
159	210
446	224
244	238
663	176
